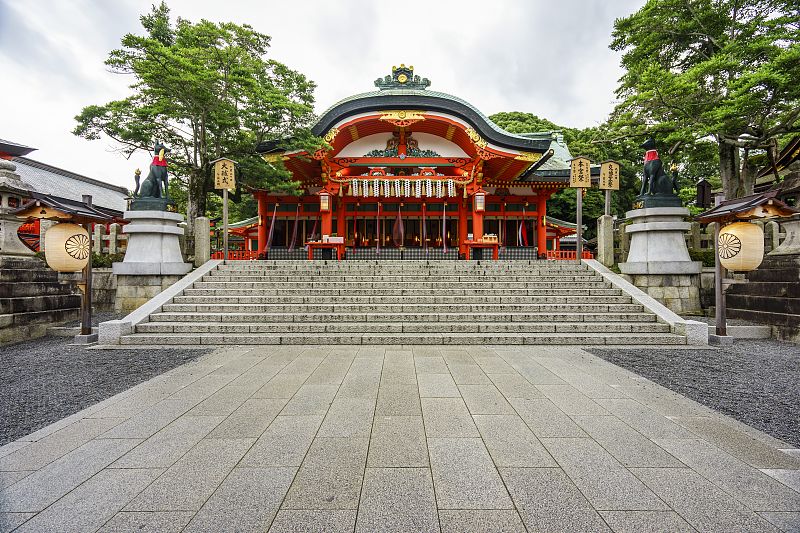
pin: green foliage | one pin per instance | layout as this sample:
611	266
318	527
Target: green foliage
206	90
584	142
706	255
106	260
711	73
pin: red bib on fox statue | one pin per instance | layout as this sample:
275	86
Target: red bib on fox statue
159	162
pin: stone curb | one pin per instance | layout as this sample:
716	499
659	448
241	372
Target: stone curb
696	332
112	330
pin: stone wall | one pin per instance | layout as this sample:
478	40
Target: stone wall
134	291
104	287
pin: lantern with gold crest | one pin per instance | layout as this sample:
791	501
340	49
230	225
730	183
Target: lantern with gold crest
739	244
68	247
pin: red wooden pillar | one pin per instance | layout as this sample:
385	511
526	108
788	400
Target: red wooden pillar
341	218
541	228
477	223
262	222
327	223
462	227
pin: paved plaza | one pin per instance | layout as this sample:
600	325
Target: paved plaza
371	438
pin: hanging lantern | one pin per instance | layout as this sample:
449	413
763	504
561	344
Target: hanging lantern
67	247
480	201
324	202
741	246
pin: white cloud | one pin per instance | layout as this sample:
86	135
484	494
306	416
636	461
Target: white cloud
547	58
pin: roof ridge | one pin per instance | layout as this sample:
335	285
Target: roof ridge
69	174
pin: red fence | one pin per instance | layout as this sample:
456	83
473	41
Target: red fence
237	255
566	255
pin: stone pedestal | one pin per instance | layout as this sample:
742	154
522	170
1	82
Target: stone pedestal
12	191
605	240
658	260
153	259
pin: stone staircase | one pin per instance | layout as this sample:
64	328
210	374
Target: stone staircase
770	297
402	302
32	299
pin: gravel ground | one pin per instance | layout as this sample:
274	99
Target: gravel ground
45	380
754	381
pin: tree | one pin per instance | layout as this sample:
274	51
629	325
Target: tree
207	91
697	70
582	142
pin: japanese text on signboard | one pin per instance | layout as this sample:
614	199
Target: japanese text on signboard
579	175
224	174
609	175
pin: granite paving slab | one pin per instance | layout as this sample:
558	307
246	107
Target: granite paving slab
395	438
397	499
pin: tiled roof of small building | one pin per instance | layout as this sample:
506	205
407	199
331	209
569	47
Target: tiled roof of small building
61	183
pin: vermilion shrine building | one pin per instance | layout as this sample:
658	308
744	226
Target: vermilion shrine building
406	158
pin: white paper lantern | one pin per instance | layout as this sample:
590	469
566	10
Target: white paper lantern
741	246
67	247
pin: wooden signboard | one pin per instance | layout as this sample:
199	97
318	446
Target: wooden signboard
579	174
609	175
224	174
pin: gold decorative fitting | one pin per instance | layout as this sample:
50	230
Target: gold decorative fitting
402	118
530	157
475	137
331	135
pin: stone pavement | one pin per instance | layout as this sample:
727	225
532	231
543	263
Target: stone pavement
423	438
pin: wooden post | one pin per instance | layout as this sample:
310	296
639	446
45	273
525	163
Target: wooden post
608	202
86	301
578	227
719	271
225	224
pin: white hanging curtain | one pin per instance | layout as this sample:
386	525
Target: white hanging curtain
451	189
418	189
354	187
429	188
376	185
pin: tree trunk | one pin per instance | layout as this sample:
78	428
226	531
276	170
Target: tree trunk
195	199
732	186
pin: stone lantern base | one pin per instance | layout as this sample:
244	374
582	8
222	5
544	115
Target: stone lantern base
659	262
153	259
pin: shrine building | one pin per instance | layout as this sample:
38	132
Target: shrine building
417	170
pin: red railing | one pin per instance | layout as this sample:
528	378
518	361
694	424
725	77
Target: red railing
237	255
566	255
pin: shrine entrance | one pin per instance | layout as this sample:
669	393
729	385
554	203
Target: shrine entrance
407	168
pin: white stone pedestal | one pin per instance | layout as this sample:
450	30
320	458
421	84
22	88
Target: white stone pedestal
153	260
658	261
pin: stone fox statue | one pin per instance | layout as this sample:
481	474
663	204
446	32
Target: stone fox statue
156	181
655	180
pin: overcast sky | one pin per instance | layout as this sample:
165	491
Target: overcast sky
550	58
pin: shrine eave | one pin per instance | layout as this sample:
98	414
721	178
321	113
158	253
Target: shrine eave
377	101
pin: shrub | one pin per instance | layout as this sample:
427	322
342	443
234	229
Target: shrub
706	255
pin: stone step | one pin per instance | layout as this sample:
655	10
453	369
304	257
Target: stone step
404	327
52	316
249	299
765	288
30	304
376	278
24	274
483	293
14	289
769	304
360	287
403	308
388	338
362	317
405	264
